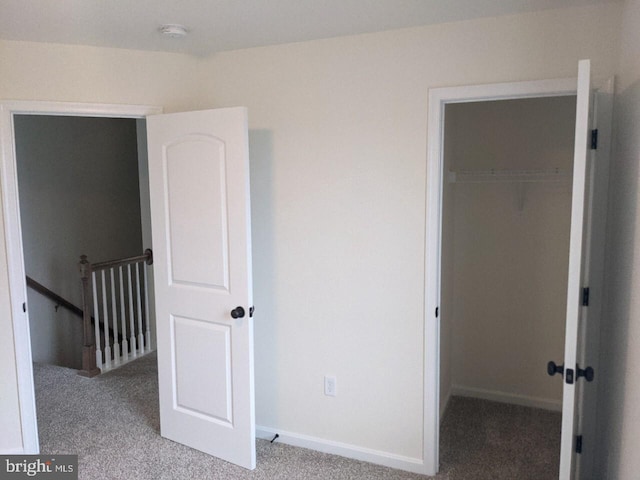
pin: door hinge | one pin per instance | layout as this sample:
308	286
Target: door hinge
24	307
578	443
437	311
594	139
251	310
585	297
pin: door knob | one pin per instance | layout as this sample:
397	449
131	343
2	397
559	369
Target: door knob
587	373
552	368
237	312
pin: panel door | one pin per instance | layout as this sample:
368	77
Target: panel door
593	274
577	255
199	190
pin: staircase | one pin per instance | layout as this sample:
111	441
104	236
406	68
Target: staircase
115	311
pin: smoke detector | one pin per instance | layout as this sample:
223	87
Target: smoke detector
173	31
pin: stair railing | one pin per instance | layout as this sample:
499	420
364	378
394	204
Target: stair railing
122	307
64	303
51	295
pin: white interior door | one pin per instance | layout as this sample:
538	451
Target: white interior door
589	328
199	190
578	253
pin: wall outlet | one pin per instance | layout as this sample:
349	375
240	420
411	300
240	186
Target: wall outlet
330	385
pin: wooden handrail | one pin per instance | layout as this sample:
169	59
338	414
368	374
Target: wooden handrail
147	257
62	302
38	287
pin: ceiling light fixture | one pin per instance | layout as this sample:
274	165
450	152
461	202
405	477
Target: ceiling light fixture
173	31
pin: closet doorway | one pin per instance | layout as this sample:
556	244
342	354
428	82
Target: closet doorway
585	278
506	217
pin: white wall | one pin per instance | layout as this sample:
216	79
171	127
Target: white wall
338	156
510	259
78	186
338	152
619	415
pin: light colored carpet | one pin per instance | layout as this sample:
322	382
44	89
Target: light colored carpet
112	423
483	440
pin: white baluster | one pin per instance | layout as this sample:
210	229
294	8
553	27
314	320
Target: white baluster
125	343
105	318
114	322
146	308
132	339
96	319
139	305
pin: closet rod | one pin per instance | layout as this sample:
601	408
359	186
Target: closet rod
514	176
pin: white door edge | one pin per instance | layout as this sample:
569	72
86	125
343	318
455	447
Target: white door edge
576	265
12	239
594	275
438	98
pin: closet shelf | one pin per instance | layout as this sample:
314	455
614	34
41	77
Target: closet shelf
552	175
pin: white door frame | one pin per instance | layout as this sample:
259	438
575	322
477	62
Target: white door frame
13	237
438	99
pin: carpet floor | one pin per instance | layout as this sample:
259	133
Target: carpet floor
484	440
111	422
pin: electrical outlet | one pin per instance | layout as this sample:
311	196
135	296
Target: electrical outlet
330	385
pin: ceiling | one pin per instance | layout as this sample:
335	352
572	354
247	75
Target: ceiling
219	25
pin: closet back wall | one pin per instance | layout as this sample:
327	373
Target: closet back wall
510	249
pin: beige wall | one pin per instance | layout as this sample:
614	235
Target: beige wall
37	71
338	158
510	259
338	155
618	414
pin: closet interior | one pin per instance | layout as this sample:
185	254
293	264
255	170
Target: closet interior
505	245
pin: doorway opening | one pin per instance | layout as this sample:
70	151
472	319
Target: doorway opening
586	263
506	217
80	194
439	99
12	114
176	169
81	187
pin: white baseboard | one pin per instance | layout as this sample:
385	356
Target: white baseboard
503	397
378	457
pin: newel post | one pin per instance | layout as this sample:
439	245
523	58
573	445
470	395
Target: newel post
89	367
